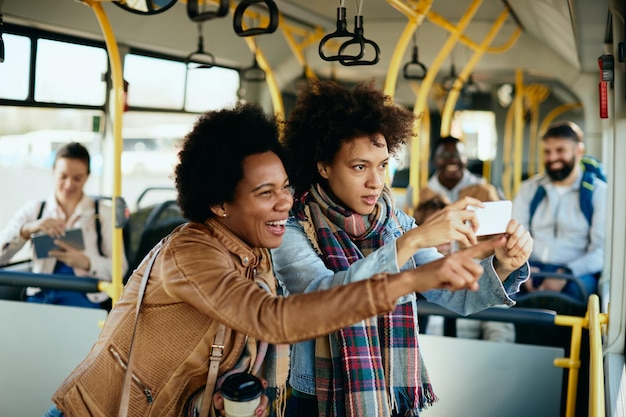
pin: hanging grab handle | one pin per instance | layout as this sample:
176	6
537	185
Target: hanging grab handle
239	14
359	38
193	11
414	70
207	59
342	32
253	74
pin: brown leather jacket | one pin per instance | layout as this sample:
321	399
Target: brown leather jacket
203	275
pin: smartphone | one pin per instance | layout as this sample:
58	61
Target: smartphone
493	218
44	243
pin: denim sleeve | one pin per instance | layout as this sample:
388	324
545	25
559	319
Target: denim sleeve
301	269
491	291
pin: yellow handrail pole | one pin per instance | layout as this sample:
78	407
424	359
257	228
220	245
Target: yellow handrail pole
572	363
439	20
298	48
277	98
554	113
596	374
518	150
420	149
420	106
416	17
507	152
453	94
445	50
536	95
593	320
425	148
113	288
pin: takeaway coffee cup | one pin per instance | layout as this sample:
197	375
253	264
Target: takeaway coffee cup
242	394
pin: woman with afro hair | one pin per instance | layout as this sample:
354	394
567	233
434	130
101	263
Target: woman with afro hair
344	228
213	273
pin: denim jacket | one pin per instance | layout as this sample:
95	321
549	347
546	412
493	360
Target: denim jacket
301	270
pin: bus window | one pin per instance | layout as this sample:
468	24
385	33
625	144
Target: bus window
73	73
211	89
154	82
15	68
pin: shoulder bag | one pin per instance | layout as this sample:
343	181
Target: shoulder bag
217	350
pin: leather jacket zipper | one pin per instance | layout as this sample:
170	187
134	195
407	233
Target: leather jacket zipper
146	391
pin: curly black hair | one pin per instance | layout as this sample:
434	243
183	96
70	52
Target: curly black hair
327	114
211	158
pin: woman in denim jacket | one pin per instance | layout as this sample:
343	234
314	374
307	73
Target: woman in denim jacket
344	228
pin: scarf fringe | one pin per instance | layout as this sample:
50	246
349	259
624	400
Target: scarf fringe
410	405
278	400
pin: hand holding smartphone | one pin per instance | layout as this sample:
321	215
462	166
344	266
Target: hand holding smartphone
493	218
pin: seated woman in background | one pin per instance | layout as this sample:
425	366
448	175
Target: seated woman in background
216	270
68	207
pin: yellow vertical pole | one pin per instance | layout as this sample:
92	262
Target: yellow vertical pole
416	17
420	106
507	152
453	94
114	288
519	130
277	98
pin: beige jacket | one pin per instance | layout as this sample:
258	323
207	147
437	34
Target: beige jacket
203	275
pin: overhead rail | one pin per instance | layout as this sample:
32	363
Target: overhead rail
306	39
461	79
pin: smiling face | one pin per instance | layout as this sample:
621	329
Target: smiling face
560	157
70	176
356	175
263	198
450	161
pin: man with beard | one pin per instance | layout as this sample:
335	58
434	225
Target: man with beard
568	239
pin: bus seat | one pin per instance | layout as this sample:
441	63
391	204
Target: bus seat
148	226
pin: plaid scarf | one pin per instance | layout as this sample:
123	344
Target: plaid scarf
372	368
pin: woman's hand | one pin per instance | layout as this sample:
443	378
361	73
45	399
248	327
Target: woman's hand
261	410
457	271
516	251
52	227
452	223
70	256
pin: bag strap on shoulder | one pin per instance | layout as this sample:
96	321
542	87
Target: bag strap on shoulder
217	350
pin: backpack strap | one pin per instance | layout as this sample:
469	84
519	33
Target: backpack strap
43	205
98	225
586	194
534	203
97	220
585	197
